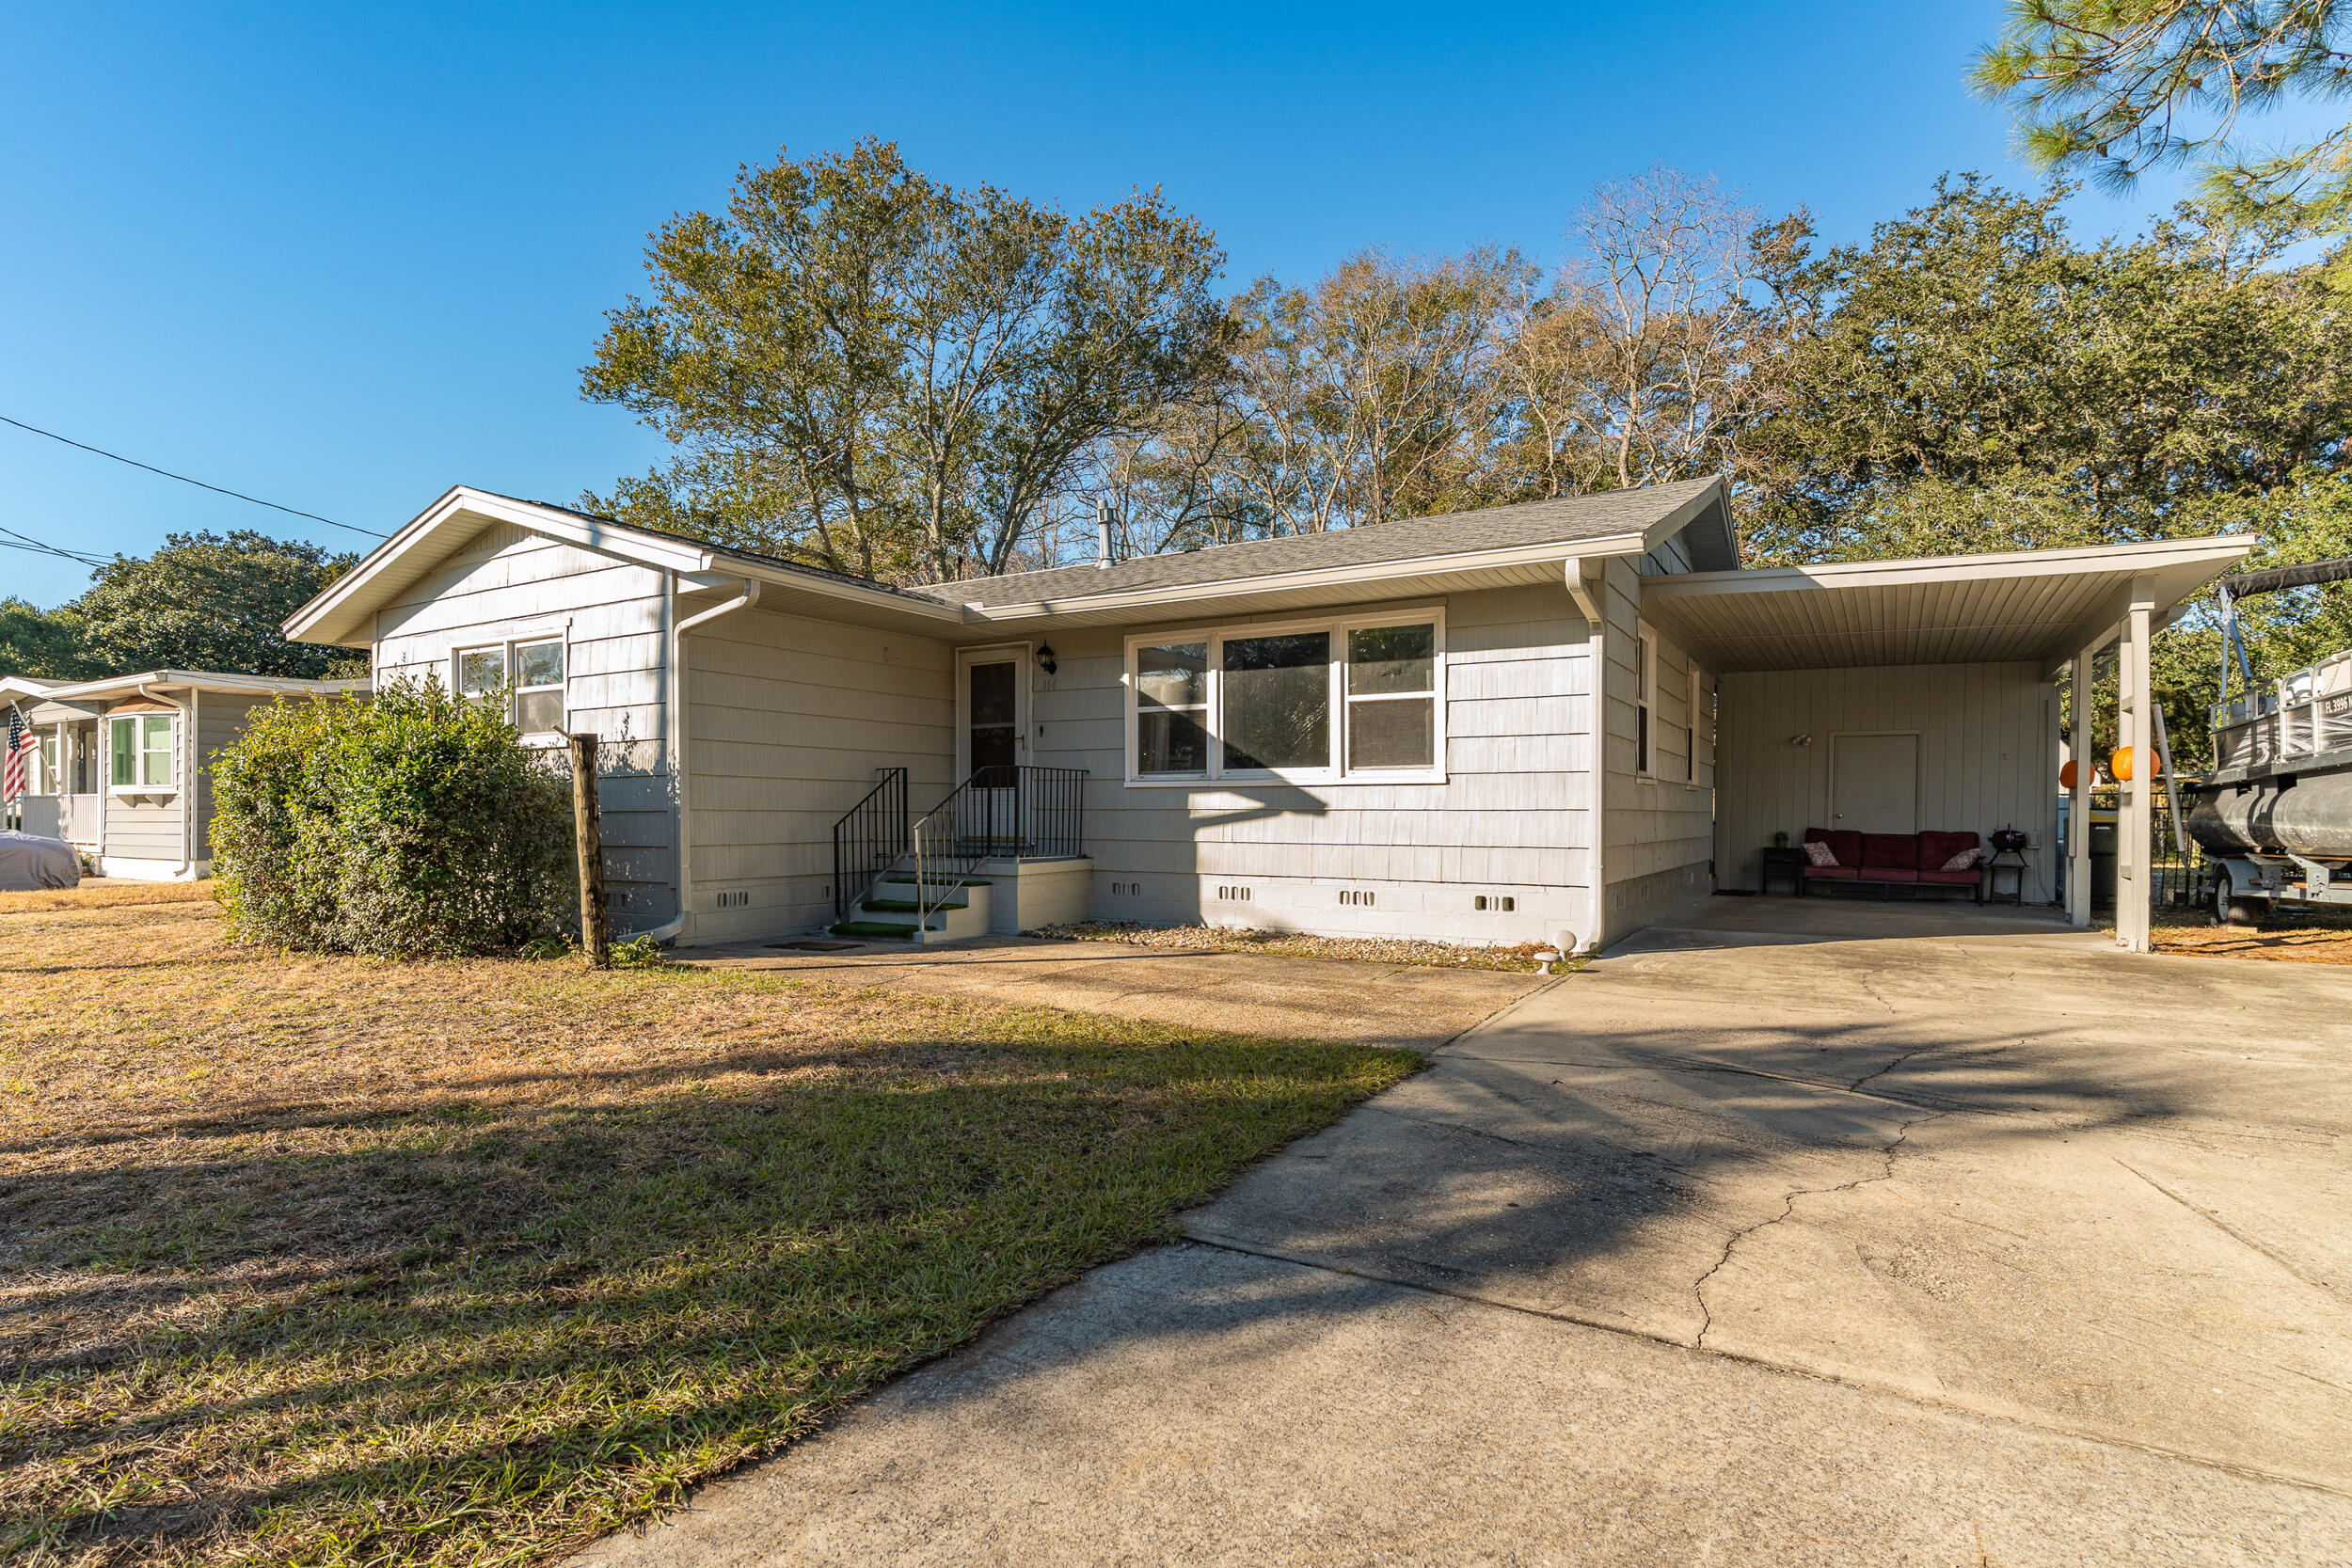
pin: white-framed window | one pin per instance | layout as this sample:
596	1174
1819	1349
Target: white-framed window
533	667
140	753
539	687
1352	698
1645	701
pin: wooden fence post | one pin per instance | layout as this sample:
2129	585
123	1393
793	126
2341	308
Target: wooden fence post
595	929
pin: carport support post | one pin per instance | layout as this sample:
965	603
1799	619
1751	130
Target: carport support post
2134	832
2078	798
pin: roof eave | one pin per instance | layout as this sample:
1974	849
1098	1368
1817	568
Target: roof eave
1387	574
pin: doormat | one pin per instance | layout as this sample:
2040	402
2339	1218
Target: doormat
820	946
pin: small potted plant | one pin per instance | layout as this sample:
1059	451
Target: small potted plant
1780	839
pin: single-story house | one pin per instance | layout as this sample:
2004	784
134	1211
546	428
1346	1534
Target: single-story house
123	771
1554	721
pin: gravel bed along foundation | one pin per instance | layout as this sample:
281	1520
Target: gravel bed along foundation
1296	945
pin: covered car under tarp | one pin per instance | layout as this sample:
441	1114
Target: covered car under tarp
28	861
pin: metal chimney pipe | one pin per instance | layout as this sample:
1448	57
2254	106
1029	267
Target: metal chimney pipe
1102	533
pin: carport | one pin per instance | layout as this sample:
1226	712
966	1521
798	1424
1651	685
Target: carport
1922	694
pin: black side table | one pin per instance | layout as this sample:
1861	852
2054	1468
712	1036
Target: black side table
1782	860
2007	863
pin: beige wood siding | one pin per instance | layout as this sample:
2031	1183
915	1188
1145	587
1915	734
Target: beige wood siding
1511	819
1988	753
790	719
1661	828
508	582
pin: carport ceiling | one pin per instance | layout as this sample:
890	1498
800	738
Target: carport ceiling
2042	606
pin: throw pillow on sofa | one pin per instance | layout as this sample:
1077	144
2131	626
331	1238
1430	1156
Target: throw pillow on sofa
1966	861
1820	853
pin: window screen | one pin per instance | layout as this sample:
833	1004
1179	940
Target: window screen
1391	696
1278	701
539	687
481	671
1172	708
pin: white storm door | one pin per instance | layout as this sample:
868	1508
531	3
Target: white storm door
992	738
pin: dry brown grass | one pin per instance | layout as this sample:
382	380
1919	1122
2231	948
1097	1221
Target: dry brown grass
99	895
327	1261
2310	937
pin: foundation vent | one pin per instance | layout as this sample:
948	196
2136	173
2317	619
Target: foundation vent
1232	895
1359	899
1494	903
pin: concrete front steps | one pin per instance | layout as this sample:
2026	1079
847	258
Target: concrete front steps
889	912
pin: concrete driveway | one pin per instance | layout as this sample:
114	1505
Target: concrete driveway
1820	1232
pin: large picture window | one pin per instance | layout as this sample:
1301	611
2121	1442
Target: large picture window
1335	700
141	748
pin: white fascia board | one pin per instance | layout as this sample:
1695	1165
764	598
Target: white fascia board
1680	519
2082	561
464	502
731	570
1377	574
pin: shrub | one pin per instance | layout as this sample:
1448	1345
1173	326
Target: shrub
408	825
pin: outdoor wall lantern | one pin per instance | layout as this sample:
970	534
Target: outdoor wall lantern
1800	740
1046	657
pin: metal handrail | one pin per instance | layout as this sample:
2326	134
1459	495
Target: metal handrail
999	812
871	837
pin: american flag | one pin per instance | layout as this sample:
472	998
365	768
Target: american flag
23	741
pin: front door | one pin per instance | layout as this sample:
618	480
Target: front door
992	710
1874	787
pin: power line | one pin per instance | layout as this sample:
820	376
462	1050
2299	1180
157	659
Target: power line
185	479
44	549
29	543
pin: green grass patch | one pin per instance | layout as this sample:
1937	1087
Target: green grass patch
484	1259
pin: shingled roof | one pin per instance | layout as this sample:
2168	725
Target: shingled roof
1609	515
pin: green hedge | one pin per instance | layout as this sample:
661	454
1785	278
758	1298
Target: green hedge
408	826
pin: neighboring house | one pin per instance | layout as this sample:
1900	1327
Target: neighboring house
1557	721
124	769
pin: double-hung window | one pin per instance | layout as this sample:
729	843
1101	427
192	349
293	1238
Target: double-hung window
1356	699
533	673
140	749
1172	707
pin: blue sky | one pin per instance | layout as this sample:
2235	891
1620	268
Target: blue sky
344	258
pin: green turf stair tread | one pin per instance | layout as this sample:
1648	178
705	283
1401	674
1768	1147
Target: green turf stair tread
906	906
872	929
944	881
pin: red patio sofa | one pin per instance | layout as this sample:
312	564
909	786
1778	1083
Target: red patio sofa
1893	860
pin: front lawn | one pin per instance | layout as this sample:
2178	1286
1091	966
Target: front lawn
328	1260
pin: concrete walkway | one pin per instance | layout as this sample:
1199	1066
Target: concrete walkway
1818	1232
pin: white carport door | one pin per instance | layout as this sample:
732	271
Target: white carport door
1876	785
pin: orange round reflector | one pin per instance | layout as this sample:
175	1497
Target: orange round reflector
2066	776
2120	764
